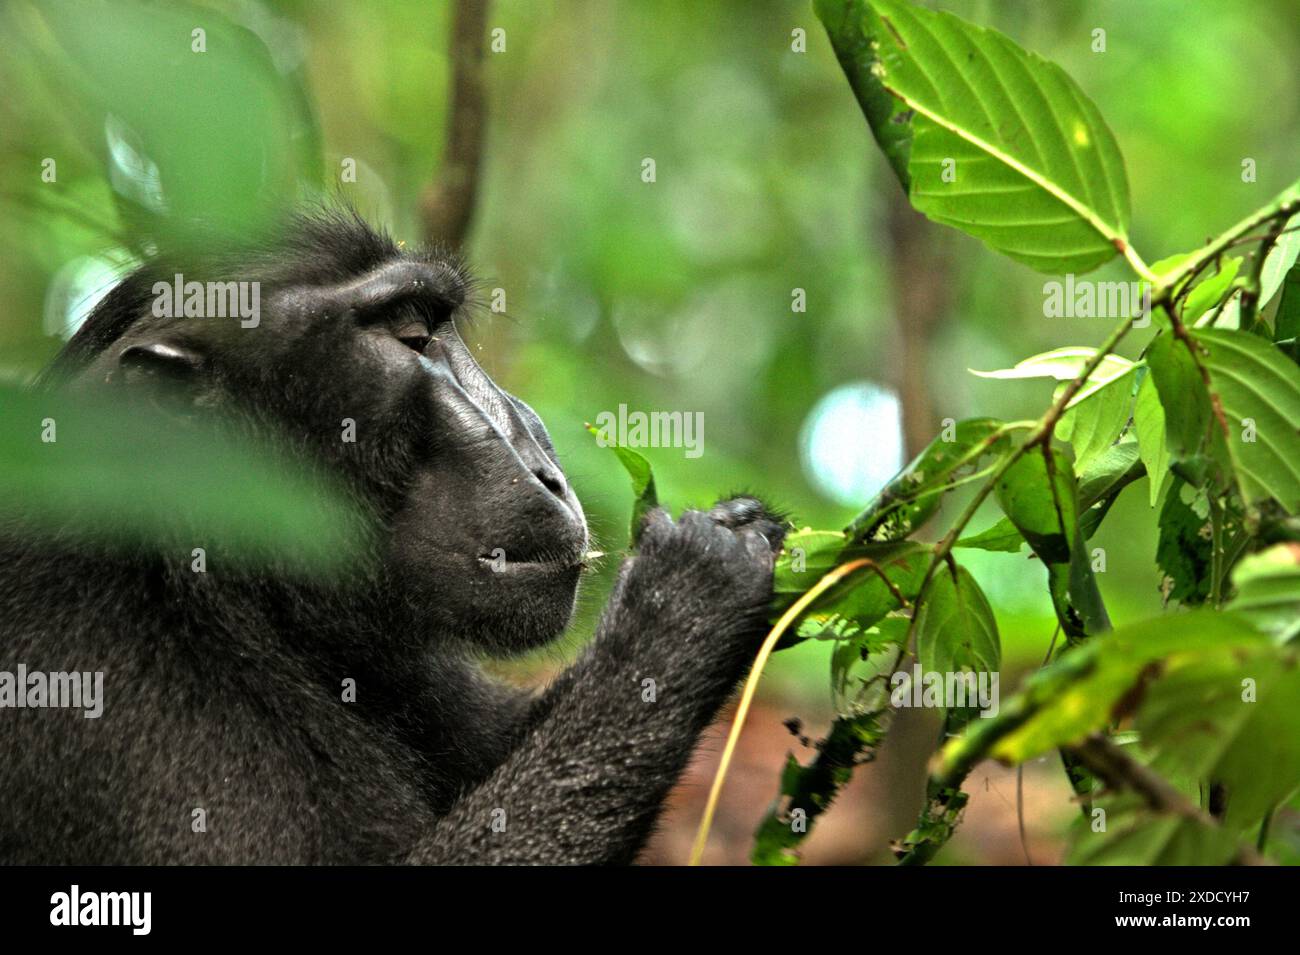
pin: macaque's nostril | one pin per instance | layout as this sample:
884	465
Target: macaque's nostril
551	479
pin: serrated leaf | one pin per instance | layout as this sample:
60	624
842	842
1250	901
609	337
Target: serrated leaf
956	631
1005	146
1258	389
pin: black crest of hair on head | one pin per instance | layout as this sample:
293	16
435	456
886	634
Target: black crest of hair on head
319	244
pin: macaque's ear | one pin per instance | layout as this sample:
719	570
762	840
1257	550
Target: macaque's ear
159	363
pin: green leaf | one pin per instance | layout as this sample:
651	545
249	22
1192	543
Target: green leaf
1065	364
1209	290
861	664
806	556
1102	481
1038	495
1167	266
1093	424
1183	397
853	604
1268	590
146	477
1000	536
224	137
845	22
1182	662
1097	684
1134	835
1283	842
1286	320
957	632
1149	422
644	496
1281	261
1229	716
1259	391
1099	486
1004	145
942	812
911	498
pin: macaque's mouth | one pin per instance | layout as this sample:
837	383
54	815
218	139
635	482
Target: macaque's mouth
502	563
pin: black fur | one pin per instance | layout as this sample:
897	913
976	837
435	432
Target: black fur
223	689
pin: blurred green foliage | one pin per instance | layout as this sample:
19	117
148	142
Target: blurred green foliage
121	479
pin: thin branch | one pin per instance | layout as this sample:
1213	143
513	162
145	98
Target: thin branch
1258	236
1041	434
1020	770
1262	841
1285	206
447	206
1120	771
1249	307
1183	335
1020	812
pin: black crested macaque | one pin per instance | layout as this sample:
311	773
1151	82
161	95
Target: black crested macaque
222	690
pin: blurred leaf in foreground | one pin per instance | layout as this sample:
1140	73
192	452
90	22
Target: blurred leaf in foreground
128	477
1133	835
1268	590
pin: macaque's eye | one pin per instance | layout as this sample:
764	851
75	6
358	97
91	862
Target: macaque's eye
414	335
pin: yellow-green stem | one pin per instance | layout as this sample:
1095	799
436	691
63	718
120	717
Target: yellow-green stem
792	614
